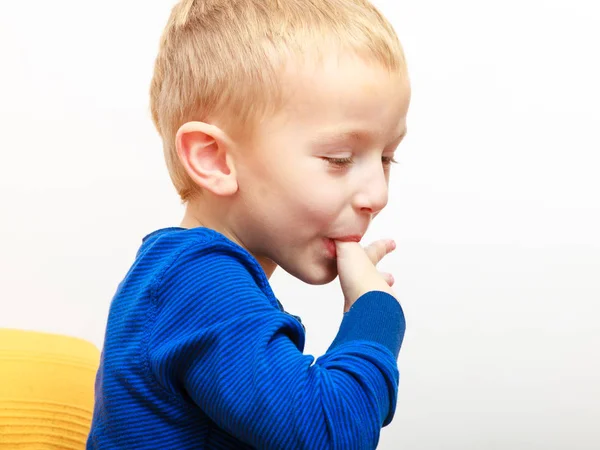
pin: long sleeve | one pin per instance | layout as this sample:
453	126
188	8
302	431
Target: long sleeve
218	340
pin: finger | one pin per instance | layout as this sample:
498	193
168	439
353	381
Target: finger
378	249
349	250
389	278
352	260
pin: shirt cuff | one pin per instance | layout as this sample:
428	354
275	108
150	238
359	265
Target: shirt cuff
376	316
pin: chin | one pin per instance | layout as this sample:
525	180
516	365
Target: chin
315	275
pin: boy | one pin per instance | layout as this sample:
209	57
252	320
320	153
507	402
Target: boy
279	120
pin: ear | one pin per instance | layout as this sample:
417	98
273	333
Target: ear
205	152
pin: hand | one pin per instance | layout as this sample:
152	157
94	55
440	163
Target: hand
357	272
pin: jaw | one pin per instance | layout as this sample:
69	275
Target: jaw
267	264
315	270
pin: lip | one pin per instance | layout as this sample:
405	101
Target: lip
349	238
330	248
330	243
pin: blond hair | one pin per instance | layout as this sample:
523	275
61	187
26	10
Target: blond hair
221	60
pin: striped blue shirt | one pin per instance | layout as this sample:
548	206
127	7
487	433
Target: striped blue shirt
199	354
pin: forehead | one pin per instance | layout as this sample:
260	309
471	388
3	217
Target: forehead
345	91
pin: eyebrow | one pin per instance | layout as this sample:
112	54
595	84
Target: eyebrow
402	134
352	136
400	137
344	136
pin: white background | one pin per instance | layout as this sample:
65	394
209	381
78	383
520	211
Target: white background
495	205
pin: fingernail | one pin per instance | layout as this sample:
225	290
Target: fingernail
393	245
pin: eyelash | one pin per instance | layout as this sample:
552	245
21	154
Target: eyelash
346	162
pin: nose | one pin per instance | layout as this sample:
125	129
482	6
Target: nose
372	194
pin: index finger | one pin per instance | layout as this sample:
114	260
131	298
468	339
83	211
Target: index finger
378	249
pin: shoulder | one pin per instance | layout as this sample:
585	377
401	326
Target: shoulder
200	267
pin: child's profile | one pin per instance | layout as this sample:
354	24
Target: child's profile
279	120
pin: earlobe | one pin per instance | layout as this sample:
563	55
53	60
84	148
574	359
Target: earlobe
204	152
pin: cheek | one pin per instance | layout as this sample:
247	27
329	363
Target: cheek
320	204
301	209
298	194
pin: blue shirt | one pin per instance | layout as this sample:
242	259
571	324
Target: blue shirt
199	354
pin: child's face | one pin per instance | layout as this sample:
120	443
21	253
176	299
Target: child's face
315	171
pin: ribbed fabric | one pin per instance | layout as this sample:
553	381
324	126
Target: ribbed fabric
46	390
199	354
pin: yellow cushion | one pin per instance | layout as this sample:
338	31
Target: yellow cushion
46	390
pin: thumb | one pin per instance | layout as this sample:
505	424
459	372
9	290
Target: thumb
352	260
346	251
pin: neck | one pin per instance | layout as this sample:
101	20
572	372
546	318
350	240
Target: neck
199	214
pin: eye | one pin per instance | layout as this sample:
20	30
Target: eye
340	163
388	160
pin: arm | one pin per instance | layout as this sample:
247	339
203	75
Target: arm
224	345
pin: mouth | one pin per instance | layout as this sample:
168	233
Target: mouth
350	238
330	243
